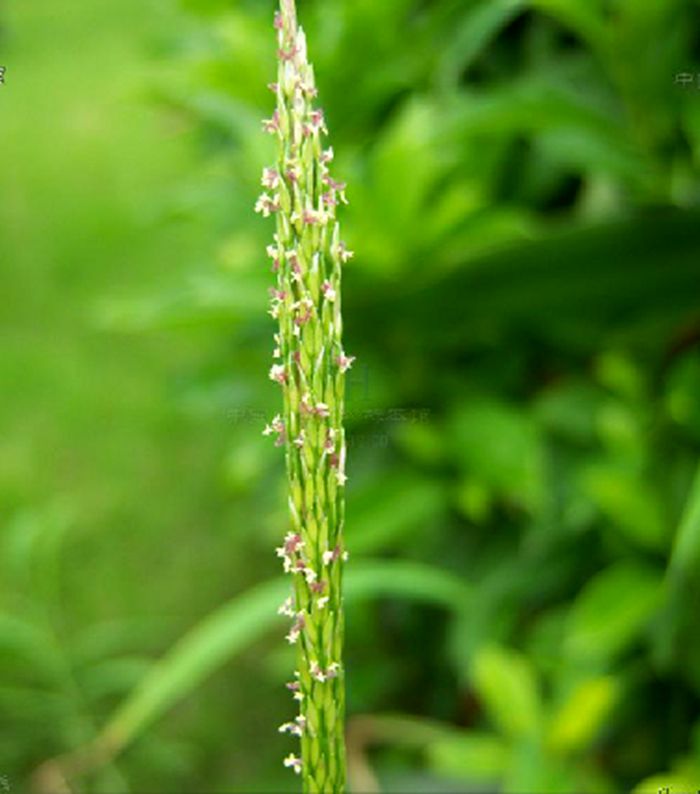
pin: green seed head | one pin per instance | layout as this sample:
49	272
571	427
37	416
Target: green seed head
309	366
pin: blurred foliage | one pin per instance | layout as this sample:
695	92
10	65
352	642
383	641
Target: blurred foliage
524	415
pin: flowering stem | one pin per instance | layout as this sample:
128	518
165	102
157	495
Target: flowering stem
310	366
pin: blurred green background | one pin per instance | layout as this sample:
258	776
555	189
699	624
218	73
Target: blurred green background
524	414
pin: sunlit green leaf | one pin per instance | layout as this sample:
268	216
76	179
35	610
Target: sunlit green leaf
470	756
508	687
612	611
582	714
625	499
685	555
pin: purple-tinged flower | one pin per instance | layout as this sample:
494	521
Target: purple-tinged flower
310	217
335	187
290	727
304	310
288	54
317	122
322	675
296	728
329	443
286	608
293	174
322	410
270	178
342	252
293	543
267	204
293	635
345	362
305	406
339	186
291	761
275	426
272	125
328	292
307	88
317	672
297	628
278	373
331	556
340	476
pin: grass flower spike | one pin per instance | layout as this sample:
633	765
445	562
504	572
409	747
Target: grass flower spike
309	364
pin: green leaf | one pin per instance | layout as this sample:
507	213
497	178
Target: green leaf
582	714
532	769
413	581
247	618
404	730
581	16
620	494
685	555
500	447
612	612
507	685
218	637
679	613
562	288
386	510
479	25
31	649
570	128
470	756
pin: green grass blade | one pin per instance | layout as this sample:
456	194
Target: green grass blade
247	618
686	547
218	637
